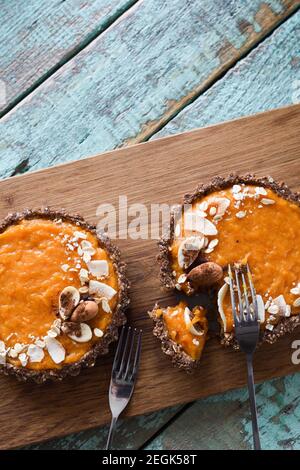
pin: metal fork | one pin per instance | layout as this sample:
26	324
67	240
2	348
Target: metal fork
247	328
123	376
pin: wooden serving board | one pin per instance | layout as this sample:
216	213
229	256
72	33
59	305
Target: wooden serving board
156	172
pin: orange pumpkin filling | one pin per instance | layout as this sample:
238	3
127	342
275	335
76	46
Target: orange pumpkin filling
38	259
186	328
245	224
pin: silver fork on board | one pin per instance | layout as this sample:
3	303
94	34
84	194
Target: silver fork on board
247	328
123	376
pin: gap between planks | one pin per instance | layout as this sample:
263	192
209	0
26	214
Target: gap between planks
153	129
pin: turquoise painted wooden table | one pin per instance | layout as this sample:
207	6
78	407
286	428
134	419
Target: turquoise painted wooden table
80	77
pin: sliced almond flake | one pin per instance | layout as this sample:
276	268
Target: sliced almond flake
260	190
241	214
220	203
79	251
221	296
35	353
296	303
80	235
203	206
12	353
267	202
196	223
187	316
97	332
98	268
213	243
273	309
208	250
55	349
87	247
23	359
19	347
83	275
86	257
238	196
288	311
181	279
105	305
101	289
295	291
2	346
267	304
260	308
281	304
236	188
65	267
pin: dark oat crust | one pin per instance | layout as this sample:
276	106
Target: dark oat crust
286	325
118	317
177	355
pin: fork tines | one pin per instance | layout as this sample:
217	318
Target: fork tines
127	355
244	311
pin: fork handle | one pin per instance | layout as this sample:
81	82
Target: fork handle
111	432
251	388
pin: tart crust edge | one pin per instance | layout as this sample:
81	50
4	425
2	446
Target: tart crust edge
178	356
286	324
118	319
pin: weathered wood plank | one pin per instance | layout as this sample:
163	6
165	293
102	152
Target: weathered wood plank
269	77
131	433
223	421
132	78
38	36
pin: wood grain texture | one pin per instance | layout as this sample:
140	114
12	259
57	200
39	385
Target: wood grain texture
188	159
40	35
131	433
223	422
268	78
130	80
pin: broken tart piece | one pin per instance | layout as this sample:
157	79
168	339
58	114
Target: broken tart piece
239	220
63	295
182	332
